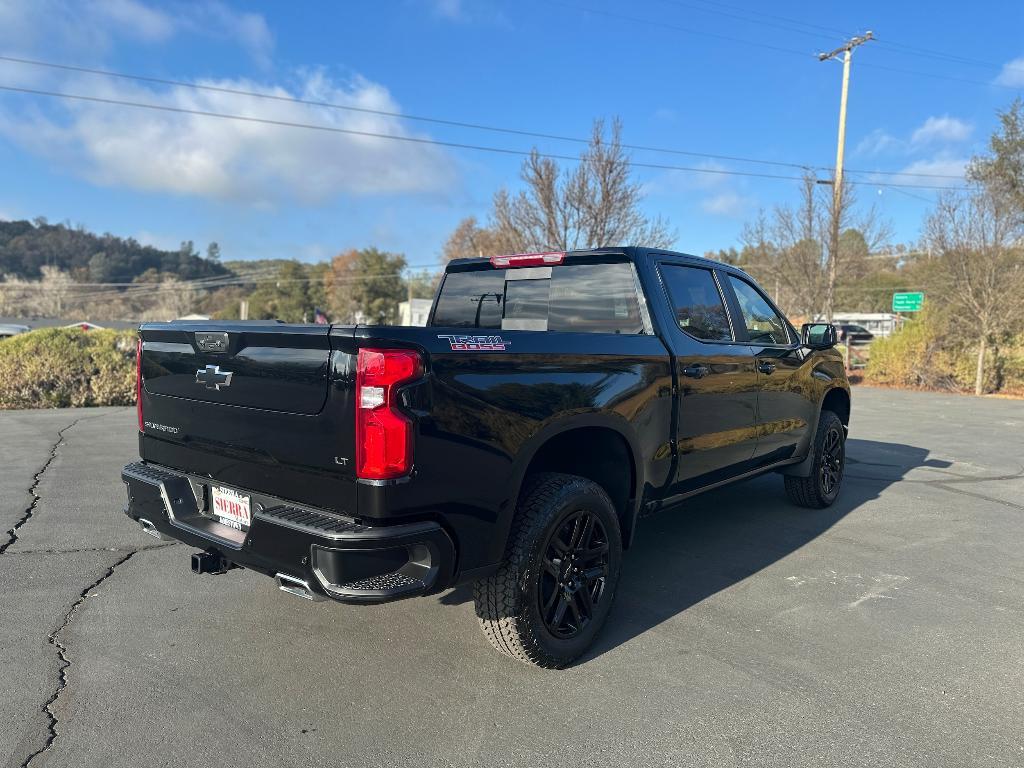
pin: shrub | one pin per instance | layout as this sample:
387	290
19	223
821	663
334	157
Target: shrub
60	367
930	353
915	356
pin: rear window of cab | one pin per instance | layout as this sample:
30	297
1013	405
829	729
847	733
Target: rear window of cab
577	298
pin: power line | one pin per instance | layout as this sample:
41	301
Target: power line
137	290
744	17
922	198
826	30
776	48
745	14
416	139
677	28
134	289
433	120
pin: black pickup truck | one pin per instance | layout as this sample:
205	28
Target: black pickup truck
551	401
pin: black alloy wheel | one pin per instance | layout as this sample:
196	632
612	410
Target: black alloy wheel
572	583
831	461
553	592
820	487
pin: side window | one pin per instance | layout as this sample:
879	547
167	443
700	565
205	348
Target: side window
594	298
698	306
764	325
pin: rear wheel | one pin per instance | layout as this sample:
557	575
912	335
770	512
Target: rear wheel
553	593
821	488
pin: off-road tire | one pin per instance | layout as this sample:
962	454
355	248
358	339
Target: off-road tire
508	603
811	491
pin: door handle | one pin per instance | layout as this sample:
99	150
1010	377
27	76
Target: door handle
765	367
696	371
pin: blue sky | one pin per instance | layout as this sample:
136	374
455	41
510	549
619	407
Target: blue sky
722	77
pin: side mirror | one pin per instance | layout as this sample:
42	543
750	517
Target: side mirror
818	335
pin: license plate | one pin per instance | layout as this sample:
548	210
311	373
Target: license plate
230	507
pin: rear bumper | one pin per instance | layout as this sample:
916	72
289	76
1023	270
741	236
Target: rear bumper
332	556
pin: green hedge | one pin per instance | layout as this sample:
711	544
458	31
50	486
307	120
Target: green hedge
61	367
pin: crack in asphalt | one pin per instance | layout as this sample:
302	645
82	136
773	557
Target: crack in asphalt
64	662
12	533
982	496
62	652
79	550
36	479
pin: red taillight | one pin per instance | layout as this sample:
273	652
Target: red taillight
528	260
383	432
138	381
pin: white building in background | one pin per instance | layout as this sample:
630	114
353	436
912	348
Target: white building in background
878	323
414	311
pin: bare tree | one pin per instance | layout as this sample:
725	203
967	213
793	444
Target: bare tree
13	292
470	240
788	251
596	204
798	234
55	288
979	269
173	298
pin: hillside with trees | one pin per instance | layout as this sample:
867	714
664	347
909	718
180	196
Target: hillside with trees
26	247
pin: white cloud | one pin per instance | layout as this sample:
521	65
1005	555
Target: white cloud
726	204
467	11
215	19
137	20
709	176
941	165
449	9
1012	74
936	132
877	142
89	28
943	129
233	160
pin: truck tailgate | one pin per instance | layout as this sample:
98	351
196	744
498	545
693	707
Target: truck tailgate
269	366
260	406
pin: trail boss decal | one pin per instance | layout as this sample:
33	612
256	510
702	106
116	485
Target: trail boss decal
476	343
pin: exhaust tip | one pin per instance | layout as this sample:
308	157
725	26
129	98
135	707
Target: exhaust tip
297	587
148	527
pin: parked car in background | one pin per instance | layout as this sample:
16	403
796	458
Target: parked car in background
853	334
10	329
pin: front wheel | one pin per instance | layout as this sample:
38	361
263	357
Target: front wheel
821	488
554	590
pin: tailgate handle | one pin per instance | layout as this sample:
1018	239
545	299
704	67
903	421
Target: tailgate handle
212	341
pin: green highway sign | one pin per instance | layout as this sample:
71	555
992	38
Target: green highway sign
907	302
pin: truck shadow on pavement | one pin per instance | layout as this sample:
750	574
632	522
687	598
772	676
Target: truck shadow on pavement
685	554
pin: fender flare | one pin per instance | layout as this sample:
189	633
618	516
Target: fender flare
532	445
803	468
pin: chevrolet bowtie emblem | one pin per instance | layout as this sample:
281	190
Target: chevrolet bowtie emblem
212	377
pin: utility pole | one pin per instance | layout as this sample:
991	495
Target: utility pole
837	179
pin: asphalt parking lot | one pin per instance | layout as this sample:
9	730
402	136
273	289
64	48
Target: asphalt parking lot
887	630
